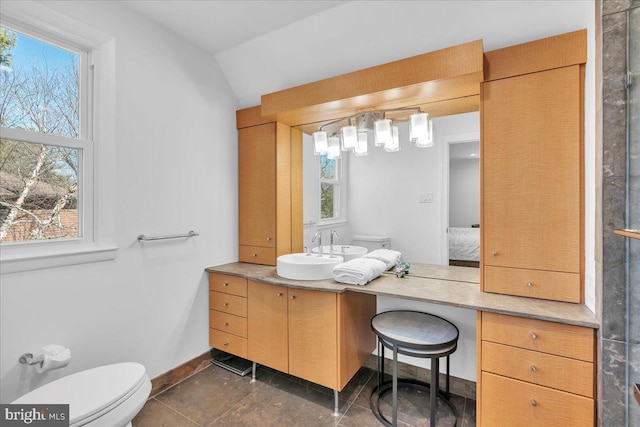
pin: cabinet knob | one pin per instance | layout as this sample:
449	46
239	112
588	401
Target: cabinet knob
225	284
254	255
534	336
533	402
225	304
529	284
533	368
279	294
226	343
293	297
226	323
269	238
494	253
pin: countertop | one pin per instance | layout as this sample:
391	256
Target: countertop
453	286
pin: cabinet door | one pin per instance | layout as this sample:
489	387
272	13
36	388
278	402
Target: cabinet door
313	336
267	325
532	167
257	185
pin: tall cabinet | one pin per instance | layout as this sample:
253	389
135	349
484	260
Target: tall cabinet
534	372
269	188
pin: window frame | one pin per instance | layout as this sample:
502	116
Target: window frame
91	244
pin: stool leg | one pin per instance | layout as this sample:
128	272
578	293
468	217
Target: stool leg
380	364
435	368
447	394
394	396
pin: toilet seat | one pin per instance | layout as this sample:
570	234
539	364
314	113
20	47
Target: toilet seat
91	393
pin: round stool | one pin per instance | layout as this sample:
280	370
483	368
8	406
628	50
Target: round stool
413	334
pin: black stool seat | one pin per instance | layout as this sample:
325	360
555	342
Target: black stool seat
415	334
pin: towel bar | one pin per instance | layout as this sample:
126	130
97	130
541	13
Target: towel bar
143	238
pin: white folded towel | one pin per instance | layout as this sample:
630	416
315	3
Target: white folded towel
388	256
358	271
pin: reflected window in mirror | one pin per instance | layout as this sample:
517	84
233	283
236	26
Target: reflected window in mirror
331	186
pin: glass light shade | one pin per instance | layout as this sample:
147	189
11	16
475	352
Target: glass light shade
419	126
428	140
382	132
349	137
361	148
394	144
333	148
320	143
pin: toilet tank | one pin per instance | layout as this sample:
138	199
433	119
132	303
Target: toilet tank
372	242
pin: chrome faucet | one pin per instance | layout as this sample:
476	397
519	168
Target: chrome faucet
319	244
333	233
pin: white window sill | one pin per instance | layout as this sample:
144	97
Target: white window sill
16	264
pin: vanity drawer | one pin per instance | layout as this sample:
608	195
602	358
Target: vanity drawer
576	342
227	303
229	323
574	376
552	285
228	284
228	342
257	255
508	402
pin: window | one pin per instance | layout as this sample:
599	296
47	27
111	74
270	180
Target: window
330	189
48	188
44	145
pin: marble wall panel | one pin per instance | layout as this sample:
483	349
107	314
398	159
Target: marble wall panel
613	379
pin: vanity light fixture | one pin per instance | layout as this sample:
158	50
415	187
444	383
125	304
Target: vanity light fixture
320	143
394	144
333	147
353	136
361	148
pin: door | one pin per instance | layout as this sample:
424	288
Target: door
532	166
267	342
313	353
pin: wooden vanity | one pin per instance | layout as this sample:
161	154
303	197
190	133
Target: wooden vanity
536	340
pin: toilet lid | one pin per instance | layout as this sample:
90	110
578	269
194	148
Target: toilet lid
90	392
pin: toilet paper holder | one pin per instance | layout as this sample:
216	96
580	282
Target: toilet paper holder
28	359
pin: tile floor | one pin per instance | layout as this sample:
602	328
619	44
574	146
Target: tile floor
217	397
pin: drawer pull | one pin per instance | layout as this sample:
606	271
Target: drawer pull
529	284
494	253
533	402
533	368
226	323
254	255
293	297
269	238
534	336
225	304
279	294
225	284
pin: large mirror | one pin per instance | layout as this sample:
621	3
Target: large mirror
412	195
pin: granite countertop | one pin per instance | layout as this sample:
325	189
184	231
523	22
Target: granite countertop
454	286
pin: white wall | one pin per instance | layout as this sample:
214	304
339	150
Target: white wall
175	170
464	192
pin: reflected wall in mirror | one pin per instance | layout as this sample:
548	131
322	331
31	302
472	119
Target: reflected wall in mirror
401	194
464	201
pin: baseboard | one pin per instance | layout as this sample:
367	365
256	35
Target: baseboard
179	373
458	386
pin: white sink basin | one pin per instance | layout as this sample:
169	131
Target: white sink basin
348	252
306	266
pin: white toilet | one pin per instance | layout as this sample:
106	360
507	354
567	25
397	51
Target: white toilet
106	396
372	242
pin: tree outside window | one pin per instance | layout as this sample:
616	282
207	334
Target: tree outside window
329	188
41	145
